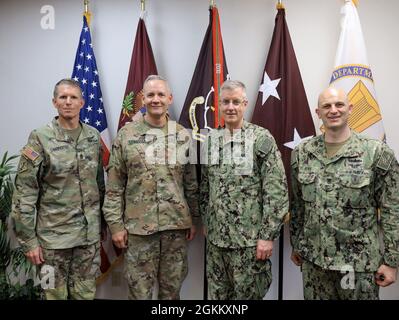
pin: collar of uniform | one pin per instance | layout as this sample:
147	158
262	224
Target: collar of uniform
237	136
143	126
350	149
61	134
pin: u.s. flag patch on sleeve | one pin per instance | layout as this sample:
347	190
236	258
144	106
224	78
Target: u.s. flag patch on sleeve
29	153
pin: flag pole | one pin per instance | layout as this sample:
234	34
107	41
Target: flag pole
280	6
142	5
86	12
212	3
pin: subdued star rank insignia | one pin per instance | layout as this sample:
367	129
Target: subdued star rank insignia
29	153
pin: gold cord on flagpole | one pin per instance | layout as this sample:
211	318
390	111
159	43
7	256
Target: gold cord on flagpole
280	5
142	5
87	13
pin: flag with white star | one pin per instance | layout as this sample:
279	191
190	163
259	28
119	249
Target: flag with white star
282	106
93	113
86	73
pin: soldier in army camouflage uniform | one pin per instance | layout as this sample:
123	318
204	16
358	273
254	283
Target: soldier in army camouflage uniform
243	201
58	189
339	181
152	196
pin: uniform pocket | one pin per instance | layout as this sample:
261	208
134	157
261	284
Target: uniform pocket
308	185
355	190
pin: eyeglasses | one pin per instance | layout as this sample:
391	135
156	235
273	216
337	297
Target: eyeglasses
235	102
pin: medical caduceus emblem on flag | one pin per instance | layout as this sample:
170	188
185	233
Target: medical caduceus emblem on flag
201	108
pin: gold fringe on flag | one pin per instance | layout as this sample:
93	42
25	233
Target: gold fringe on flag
105	275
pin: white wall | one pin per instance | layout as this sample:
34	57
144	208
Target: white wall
32	60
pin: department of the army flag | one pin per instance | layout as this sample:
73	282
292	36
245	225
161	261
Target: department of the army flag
142	65
201	107
352	73
282	106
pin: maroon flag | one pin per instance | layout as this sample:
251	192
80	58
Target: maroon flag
142	65
282	106
201	109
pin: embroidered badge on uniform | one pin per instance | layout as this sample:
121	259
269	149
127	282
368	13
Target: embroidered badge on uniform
385	160
29	153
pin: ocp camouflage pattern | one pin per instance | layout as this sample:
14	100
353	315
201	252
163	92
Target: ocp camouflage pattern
59	189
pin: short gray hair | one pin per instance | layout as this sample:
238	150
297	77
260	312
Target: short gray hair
153	77
67	82
232	85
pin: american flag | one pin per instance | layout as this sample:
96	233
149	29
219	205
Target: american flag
93	113
86	73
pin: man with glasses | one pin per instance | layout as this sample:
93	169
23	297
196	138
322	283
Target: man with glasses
243	201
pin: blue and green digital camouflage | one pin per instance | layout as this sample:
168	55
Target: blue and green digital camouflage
244	194
334	210
59	188
151	185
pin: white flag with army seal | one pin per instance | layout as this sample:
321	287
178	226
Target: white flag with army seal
352	73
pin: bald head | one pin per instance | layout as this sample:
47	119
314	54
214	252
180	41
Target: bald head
332	92
333	108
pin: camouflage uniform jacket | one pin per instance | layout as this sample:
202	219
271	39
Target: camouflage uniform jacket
244	195
59	187
334	217
150	185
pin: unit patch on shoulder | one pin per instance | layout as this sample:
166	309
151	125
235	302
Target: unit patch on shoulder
265	146
29	153
385	160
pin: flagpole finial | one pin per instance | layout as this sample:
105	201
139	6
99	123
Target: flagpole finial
142	5
356	2
280	5
87	13
212	3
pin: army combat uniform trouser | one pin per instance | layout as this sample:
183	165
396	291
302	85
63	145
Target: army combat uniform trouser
322	284
75	272
160	256
236	274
